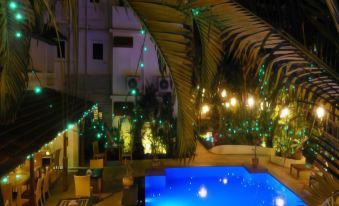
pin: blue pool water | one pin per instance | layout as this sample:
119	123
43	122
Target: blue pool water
217	186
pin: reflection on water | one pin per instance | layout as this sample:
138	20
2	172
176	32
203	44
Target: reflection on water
213	186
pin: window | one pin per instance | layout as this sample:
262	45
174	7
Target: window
94	1
98	51
123	41
61	49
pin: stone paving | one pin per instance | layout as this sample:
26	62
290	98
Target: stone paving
114	171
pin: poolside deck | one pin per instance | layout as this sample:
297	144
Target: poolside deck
114	171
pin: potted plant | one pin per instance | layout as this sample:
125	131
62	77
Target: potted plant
127	179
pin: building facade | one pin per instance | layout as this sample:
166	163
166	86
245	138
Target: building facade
114	53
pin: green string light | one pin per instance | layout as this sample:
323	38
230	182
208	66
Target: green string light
37	90
145	49
195	12
142	32
70	126
134	92
12	5
18	16
142	65
18	34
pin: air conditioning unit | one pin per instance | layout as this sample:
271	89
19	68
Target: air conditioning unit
133	82
164	84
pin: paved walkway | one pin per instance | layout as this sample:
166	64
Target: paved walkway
114	171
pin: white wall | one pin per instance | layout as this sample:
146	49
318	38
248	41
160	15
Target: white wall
126	60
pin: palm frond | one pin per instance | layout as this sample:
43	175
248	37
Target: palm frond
253	41
170	30
334	10
15	36
212	50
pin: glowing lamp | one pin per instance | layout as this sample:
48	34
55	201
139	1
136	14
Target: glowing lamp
284	112
205	108
320	112
250	102
233	101
223	93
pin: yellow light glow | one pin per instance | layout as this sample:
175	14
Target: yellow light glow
233	101
205	108
223	93
227	105
284	112
320	112
250	102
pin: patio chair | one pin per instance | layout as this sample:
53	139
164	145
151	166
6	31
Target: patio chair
96	154
82	186
6	190
7	196
96	163
38	193
45	187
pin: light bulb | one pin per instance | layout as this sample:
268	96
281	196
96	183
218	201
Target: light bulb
223	93
205	108
284	112
320	112
250	102
233	101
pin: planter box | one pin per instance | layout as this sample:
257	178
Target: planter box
241	150
285	162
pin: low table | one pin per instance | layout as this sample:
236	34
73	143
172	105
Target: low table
80	202
299	168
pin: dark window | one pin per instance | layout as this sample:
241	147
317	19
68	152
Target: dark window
94	1
123	41
61	50
98	51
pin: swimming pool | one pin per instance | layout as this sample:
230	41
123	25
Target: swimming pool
214	186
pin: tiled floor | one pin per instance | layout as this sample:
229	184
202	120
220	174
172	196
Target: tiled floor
114	171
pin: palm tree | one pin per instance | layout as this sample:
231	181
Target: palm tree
224	25
18	20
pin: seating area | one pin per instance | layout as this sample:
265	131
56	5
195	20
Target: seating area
21	187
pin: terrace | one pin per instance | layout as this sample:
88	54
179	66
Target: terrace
118	102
